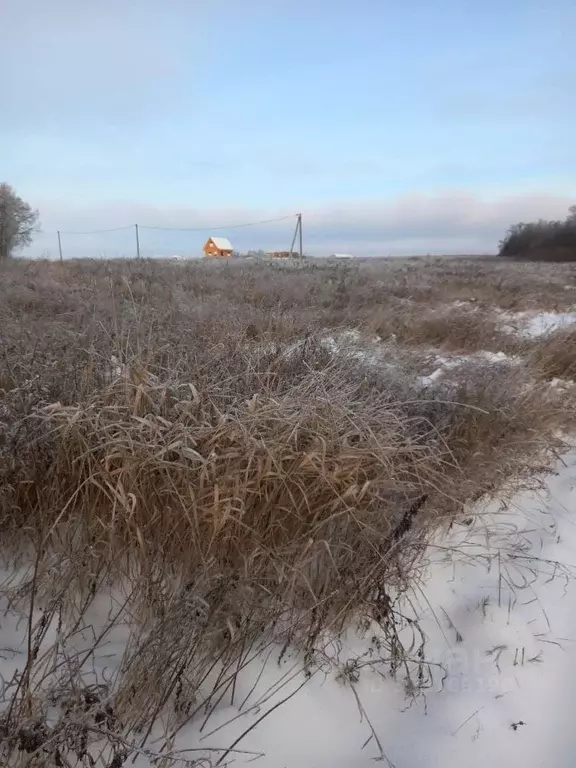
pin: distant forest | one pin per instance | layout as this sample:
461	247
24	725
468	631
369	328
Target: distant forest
542	240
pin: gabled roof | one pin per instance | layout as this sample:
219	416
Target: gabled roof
222	243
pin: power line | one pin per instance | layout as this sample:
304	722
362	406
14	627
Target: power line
177	229
222	226
94	232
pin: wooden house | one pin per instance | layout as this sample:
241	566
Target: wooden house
218	248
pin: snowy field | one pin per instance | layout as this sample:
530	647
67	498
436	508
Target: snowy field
371	389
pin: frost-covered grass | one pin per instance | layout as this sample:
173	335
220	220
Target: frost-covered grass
489	677
247	467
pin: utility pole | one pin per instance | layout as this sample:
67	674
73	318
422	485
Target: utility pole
295	236
297	232
60	245
137	241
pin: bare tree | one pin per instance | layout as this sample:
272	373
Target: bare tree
18	222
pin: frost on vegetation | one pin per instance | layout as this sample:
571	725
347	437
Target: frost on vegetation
486	646
374	352
350	344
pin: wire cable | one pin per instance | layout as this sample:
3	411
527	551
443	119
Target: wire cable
223	226
94	232
176	229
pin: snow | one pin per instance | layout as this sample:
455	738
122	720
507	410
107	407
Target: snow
533	325
557	383
371	351
351	344
222	243
446	364
497	603
546	322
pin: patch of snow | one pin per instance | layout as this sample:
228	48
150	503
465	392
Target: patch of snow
425	381
117	369
547	322
465	303
533	325
446	364
561	383
373	352
494	357
352	344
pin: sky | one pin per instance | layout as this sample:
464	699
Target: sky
394	126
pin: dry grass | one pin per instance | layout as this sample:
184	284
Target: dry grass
164	436
554	357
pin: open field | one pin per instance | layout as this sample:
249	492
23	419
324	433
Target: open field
209	470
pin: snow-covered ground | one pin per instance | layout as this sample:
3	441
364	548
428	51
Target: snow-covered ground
497	604
536	324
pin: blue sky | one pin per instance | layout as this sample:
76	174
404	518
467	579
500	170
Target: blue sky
395	127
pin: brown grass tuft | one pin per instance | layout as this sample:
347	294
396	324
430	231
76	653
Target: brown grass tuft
554	357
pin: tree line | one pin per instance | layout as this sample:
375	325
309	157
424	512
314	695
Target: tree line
542	240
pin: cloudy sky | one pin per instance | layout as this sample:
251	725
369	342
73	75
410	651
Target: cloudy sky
395	126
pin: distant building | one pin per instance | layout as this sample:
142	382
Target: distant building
283	255
341	256
218	248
